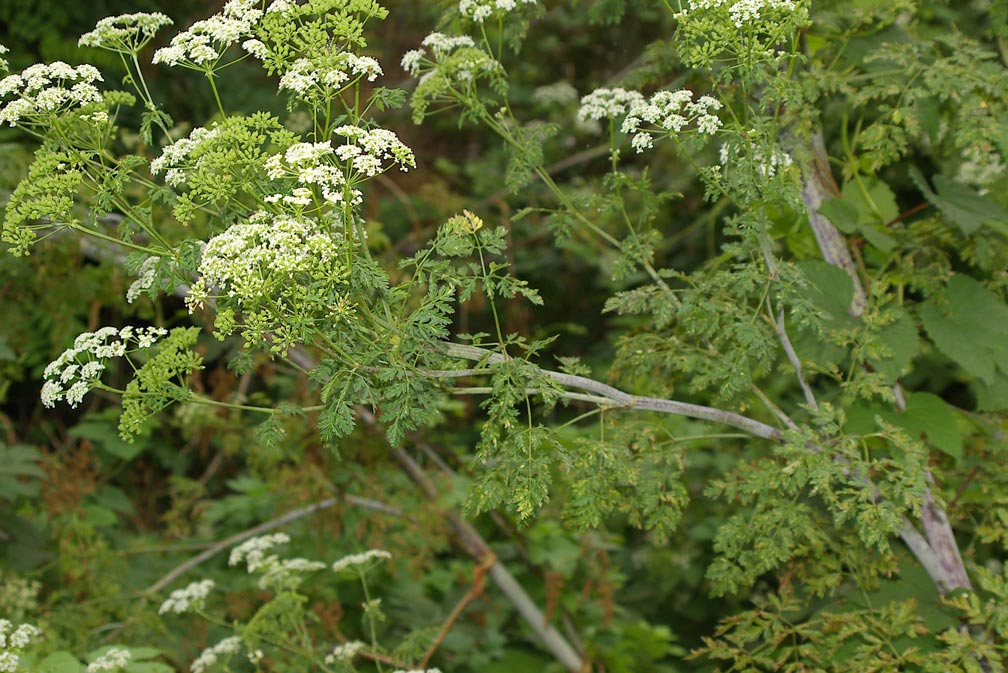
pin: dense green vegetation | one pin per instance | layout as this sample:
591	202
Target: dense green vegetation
504	335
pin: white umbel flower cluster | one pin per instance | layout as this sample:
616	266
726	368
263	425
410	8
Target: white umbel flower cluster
3	62
205	41
248	259
355	561
114	659
13	641
373	151
312	165
329	74
440	45
480	10
212	655
607	103
191	597
127	33
45	90
345	652
253	551
670	112
276	573
173	157
742	13
77	370
767	167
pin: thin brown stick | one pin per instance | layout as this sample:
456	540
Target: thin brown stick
478	584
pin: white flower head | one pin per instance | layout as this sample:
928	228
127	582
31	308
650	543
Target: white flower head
480	10
191	597
608	103
211	655
43	91
253	551
346	652
358	561
205	41
114	659
670	113
125	33
77	370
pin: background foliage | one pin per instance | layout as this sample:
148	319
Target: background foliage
651	542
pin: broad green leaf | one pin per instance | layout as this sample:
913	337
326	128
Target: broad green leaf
926	414
931	416
832	289
60	662
974	331
866	208
902	339
961	205
19	471
105	436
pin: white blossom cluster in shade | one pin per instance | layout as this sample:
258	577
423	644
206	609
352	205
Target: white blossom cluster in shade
345	652
48	89
70	376
766	167
980	167
440	46
362	559
328	73
253	551
114	659
189	598
276	572
311	164
418	670
558	93
211	655
670	112
607	103
373	151
13	641
479	10
741	12
203	42
3	62
173	156
126	33
246	260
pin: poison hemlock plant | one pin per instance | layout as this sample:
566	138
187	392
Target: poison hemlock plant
843	346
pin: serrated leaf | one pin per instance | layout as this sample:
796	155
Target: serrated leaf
974	332
902	339
961	205
60	662
931	416
832	289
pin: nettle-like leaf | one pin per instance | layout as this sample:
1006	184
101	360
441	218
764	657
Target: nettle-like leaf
19	471
969	324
